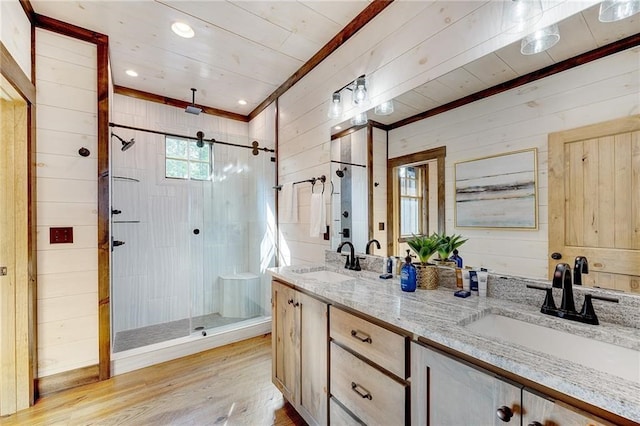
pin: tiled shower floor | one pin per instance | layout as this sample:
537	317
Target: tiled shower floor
143	336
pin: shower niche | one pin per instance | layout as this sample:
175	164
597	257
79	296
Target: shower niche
194	220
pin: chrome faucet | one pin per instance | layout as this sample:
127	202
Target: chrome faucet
353	262
368	248
581	267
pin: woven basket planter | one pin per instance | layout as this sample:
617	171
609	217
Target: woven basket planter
427	277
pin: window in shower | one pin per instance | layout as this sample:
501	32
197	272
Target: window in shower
184	159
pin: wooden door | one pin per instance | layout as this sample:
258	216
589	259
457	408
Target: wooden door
445	391
313	358
594	201
537	409
286	346
16	373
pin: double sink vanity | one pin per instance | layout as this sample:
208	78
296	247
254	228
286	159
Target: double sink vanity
351	348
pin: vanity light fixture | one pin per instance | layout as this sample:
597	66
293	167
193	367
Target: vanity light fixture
131	73
359	119
182	29
615	10
540	40
385	108
360	95
517	15
335	110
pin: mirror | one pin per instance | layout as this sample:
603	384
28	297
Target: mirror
484	80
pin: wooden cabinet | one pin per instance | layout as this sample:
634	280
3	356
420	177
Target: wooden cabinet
299	347
367	371
540	410
445	391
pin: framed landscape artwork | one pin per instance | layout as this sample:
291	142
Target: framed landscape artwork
497	192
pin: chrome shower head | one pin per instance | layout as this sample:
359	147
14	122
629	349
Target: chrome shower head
125	144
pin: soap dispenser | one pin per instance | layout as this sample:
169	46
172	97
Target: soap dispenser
408	275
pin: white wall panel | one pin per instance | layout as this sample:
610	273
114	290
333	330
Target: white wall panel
15	33
66	82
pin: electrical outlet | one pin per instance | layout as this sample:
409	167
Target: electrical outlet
61	235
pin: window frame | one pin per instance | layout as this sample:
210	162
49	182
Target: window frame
422	188
187	159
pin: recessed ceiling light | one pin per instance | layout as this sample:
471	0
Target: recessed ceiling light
182	29
131	73
242	102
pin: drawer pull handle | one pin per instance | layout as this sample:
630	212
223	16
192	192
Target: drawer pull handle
367	339
366	394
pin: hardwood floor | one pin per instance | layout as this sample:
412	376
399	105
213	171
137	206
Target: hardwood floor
224	386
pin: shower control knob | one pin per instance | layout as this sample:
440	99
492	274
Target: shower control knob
196	231
116	211
117	243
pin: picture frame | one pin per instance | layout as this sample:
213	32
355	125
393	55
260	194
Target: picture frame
497	192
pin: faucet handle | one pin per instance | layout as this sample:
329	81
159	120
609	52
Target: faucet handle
588	313
348	262
548	305
356	264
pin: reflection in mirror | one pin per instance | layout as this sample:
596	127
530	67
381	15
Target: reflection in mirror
416	203
349	185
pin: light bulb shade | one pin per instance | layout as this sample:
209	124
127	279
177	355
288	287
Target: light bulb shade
359	119
335	109
540	40
360	95
385	108
517	15
615	10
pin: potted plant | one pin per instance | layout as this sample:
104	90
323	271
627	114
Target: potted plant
424	247
446	245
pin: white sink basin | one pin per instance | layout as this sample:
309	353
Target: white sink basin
602	356
327	276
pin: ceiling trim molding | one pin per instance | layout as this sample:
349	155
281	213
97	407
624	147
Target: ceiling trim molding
28	10
64	28
151	97
338	40
567	64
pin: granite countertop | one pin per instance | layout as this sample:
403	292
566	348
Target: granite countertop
438	316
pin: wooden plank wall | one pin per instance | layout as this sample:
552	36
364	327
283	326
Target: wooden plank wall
518	119
15	33
401	49
67	273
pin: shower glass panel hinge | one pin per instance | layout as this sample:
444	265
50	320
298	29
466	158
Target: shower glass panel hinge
3	271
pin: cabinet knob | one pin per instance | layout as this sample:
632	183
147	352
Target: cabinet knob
535	423
504	413
290	301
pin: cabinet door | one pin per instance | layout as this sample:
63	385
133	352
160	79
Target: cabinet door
445	391
313	357
285	342
539	410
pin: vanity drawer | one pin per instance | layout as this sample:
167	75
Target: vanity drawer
338	416
382	346
371	395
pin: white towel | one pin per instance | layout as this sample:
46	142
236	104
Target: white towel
289	207
317	215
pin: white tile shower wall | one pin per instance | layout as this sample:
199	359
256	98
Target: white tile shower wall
67	305
518	119
162	255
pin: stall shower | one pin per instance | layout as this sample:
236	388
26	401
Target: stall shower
192	234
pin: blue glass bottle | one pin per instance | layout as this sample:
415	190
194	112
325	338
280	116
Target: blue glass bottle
408	279
457	259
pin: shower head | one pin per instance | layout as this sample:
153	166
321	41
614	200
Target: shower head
193	109
125	144
341	172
